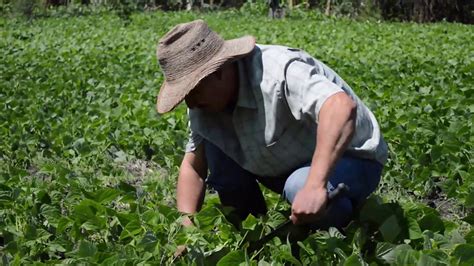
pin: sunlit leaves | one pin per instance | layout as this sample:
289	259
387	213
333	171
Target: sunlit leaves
77	113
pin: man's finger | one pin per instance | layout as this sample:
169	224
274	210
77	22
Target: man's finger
293	219
297	219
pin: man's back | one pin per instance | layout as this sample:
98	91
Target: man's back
271	130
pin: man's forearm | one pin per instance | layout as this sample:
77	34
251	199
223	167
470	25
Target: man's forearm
190	191
191	185
335	129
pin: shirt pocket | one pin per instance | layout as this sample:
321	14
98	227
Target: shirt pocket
277	131
277	122
293	148
272	138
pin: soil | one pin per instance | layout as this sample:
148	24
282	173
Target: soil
142	170
449	208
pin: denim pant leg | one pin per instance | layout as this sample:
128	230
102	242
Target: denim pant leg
236	186
360	175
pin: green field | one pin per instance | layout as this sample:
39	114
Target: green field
88	168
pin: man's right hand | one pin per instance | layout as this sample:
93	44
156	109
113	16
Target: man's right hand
190	189
181	250
186	222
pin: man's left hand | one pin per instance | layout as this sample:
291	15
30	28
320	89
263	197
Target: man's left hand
309	204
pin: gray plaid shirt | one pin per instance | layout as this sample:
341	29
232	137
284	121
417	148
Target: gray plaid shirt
272	130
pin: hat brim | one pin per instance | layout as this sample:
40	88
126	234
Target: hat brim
173	93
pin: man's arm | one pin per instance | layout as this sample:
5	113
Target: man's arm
335	129
191	185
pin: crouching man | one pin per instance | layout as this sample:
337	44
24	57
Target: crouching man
267	114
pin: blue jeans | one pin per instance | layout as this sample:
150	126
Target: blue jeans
239	188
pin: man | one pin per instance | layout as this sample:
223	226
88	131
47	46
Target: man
271	115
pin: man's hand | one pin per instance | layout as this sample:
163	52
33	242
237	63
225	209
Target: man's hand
309	204
181	250
190	189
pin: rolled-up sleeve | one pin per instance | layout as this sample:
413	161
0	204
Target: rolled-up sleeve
306	90
194	138
193	141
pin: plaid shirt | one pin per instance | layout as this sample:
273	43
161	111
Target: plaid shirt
272	130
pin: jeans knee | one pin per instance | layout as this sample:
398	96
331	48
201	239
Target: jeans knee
295	183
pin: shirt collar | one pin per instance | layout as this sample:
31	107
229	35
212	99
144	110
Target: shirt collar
245	98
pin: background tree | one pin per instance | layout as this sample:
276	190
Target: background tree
402	10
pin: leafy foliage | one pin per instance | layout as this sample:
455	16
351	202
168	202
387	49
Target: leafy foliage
87	167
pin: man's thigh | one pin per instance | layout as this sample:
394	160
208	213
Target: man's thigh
236	186
225	173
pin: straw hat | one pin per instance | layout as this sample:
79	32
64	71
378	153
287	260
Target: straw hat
190	52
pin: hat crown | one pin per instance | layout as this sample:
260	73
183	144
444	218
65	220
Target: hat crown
187	47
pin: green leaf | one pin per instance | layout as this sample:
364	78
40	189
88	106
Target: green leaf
263	263
250	222
414	230
87	209
390	229
64	223
54	247
86	249
51	213
169	212
464	254
11	247
470	237
406	256
456	238
431	222
126	218
91	225
469	218
148	242
426	260
112	260
31	232
151	217
275	218
232	258
353	260
106	195
216	255
469	201
206	217
384	252
450	226
43	197
438	255
334	232
127	187
132	229
373	211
